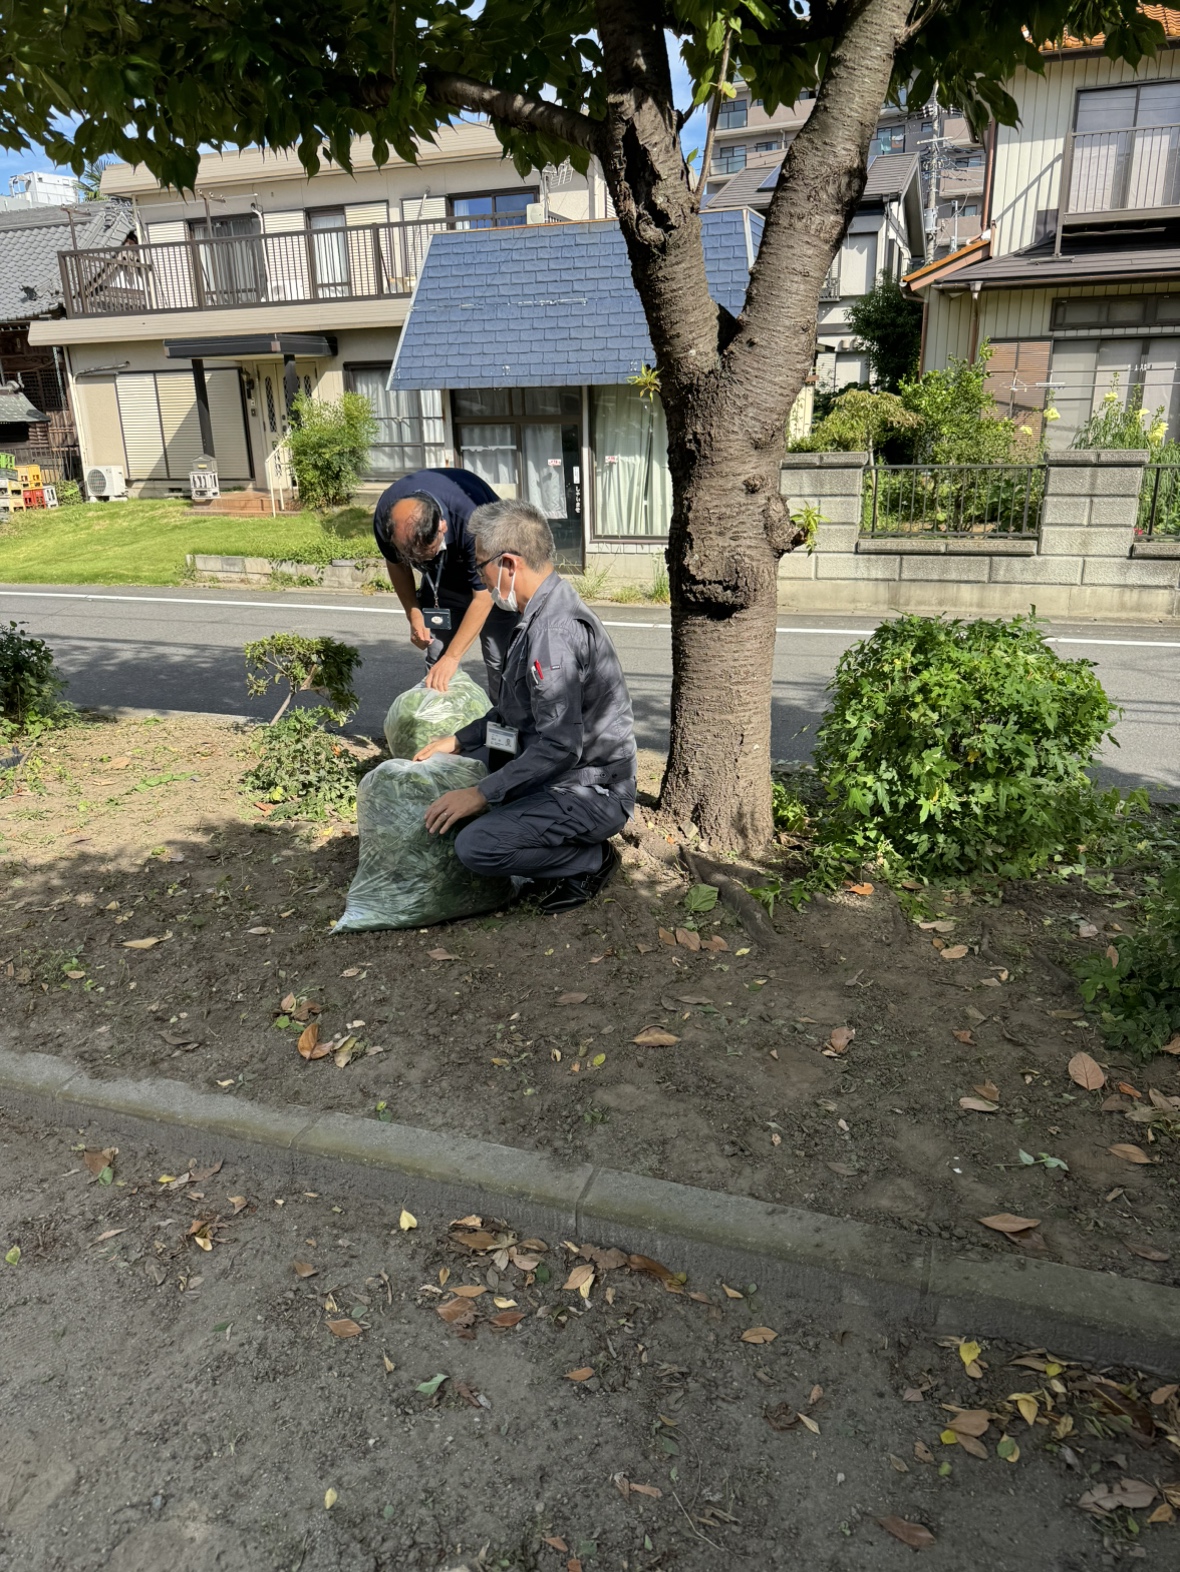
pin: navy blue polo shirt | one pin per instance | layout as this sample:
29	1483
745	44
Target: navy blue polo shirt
458	493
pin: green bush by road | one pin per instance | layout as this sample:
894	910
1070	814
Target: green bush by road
146	542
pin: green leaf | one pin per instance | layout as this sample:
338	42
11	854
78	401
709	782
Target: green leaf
107	1175
1006	1448
223	1326
1026	1157
429	1388
13	1255
701	898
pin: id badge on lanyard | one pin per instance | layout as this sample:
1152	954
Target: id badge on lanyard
436	617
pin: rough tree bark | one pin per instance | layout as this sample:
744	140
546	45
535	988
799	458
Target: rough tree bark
727	385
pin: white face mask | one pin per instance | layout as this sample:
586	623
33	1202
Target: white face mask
505	602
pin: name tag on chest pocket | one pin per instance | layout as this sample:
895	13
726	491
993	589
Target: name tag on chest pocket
503	739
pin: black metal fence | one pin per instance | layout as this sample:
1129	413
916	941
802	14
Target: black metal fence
1159	503
954	499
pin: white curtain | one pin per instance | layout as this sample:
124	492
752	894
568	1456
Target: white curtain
544	469
490	453
633	486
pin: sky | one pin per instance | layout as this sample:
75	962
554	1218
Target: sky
693	135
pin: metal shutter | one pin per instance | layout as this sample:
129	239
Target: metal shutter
229	431
181	423
139	415
162	234
283	223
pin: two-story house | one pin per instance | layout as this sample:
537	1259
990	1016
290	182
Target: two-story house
1075	278
194	331
885	237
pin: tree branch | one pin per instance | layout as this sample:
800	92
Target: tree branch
514	109
714	112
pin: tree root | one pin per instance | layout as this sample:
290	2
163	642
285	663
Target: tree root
752	912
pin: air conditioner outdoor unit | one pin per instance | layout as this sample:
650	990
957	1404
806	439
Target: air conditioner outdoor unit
105	481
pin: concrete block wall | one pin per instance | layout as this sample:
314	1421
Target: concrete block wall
1085	561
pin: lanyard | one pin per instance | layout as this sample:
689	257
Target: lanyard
435	581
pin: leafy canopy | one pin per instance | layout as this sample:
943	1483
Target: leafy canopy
153	81
888	327
329	442
300	664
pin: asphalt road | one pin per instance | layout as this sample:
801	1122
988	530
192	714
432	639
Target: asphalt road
181	650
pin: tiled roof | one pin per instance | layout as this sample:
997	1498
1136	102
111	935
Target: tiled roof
1165	15
547	305
15	409
1038	266
889	175
30	238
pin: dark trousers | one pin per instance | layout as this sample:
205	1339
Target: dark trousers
493	639
547	835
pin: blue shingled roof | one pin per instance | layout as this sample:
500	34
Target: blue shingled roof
547	305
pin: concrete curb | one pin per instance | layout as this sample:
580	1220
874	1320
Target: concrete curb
824	1261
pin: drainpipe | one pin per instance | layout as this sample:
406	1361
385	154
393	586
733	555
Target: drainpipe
974	339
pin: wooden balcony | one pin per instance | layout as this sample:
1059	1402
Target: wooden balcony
225	272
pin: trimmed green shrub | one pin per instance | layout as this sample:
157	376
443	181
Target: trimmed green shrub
330	442
957	747
302	768
1138	994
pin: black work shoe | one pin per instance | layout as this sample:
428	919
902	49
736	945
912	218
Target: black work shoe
565	894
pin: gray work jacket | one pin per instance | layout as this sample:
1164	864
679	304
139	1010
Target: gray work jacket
563	690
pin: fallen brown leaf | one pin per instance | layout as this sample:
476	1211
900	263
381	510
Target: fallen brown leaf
1006	1223
1147	1252
1172	1045
345	1327
141	944
457	1312
305	1269
716	943
469	1290
672	1282
309	1043
953	952
239	1203
441	955
111	1233
841	1037
555	1542
655	1037
978	1105
913	1394
508	1318
1129	1153
912	1534
963	1035
689	939
1162	1393
582	1374
96	1160
973	1447
758	1334
573	998
859	889
970	1422
579	1278
943	925
922	1452
1130	1091
1087	1072
988	1089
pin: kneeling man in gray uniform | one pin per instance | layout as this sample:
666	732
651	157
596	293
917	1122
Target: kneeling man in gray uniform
560	743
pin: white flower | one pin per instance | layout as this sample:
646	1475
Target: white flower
1051	413
1157	433
1111	397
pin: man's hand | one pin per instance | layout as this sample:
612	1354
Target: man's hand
420	637
452	807
440	674
439	745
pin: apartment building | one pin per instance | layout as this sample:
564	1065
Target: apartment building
1075	278
950	162
194	332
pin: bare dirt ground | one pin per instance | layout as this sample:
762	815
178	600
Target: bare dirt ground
322	1388
524	1033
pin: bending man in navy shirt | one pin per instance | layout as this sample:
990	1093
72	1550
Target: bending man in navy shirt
422	521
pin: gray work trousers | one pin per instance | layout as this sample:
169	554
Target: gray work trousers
555	833
493	641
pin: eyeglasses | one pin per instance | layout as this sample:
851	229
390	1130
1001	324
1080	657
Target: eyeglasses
487	561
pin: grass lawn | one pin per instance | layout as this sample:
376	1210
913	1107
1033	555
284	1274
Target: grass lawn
146	542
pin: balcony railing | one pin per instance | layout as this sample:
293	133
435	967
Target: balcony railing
960	500
223	272
1119	173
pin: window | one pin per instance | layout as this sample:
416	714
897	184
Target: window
804	94
330	251
527	442
492	209
1126	150
409	424
1084	371
890	139
733	114
229	253
1116	311
728	160
633	486
767	147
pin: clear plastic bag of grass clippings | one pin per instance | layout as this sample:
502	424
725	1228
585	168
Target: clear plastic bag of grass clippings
421	714
406	877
